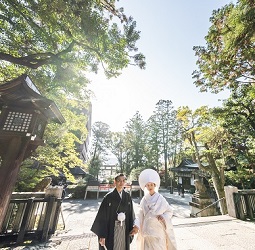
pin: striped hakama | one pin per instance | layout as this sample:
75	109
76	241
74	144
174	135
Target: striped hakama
119	235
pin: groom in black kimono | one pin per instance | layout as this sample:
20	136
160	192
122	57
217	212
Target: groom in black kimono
114	223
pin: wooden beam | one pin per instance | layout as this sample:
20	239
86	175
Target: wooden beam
9	170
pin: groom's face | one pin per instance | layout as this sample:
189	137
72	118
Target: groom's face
120	182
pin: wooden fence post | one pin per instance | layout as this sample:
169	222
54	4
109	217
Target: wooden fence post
25	220
48	218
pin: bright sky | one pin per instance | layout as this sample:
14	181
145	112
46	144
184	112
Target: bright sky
169	30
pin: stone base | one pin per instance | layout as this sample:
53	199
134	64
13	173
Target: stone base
198	204
199	196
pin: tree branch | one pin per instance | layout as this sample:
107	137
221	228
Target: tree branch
34	61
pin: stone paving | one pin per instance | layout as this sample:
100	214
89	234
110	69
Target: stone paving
210	233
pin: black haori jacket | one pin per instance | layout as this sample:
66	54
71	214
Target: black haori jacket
103	225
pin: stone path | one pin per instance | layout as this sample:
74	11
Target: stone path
210	233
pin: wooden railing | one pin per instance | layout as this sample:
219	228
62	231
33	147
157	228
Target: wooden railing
33	217
245	204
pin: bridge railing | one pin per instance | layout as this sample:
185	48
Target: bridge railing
245	204
33	217
240	203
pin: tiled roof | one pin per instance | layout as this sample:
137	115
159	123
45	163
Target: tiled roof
186	165
77	171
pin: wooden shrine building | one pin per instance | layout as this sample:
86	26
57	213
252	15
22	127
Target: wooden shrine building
23	119
186	172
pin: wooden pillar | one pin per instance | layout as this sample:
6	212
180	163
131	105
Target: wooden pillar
9	170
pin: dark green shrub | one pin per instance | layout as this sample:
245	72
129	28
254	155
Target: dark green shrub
77	192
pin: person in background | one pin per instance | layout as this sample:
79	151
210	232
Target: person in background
179	188
114	222
154	219
182	190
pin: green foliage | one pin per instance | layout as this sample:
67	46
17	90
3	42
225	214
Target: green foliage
65	36
94	166
154	142
110	180
243	178
228	58
165	116
59	153
239	111
165	179
101	139
100	145
135	143
28	177
77	192
227	61
135	172
205	135
117	147
56	43
237	117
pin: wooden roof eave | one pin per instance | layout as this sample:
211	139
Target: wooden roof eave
21	92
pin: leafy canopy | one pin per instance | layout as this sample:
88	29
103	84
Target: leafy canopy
64	36
57	43
227	60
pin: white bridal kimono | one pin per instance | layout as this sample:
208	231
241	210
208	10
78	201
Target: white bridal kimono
153	234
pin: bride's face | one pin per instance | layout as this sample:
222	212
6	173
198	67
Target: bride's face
150	187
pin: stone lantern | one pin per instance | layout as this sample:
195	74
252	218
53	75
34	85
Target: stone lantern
23	119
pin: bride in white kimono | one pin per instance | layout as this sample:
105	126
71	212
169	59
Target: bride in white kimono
154	219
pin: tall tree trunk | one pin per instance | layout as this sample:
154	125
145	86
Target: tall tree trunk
121	161
218	183
165	160
217	176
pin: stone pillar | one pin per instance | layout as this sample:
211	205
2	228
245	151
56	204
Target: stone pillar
199	206
55	191
229	194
